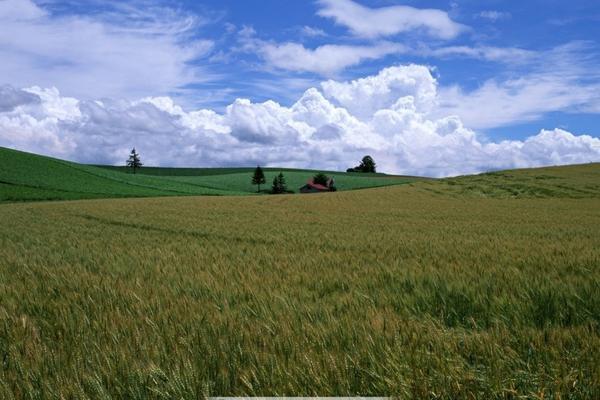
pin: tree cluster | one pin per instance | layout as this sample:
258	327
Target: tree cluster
279	184
322	179
367	164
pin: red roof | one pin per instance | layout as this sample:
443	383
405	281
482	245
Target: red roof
316	185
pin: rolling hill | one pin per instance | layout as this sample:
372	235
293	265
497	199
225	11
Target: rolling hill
26	177
567	181
29	177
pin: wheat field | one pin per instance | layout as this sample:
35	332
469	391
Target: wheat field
404	291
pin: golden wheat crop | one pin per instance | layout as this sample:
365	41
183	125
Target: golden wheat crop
394	291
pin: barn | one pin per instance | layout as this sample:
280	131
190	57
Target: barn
312	187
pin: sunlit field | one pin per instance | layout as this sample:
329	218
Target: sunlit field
452	289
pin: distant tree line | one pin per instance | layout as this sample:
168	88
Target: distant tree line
279	185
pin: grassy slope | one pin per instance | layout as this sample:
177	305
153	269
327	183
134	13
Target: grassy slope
572	181
25	176
237	178
294	180
422	290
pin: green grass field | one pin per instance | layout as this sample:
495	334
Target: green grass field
474	287
27	177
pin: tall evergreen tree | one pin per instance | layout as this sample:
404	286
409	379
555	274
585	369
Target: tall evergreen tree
279	185
282	183
134	160
259	177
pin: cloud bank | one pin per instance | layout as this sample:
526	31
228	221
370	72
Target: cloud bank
393	116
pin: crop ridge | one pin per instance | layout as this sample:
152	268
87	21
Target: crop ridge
194	234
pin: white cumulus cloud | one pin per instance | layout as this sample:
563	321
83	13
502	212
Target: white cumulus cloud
11	98
394	116
391	88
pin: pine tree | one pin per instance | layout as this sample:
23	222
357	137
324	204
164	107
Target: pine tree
279	185
282	183
259	177
134	160
275	187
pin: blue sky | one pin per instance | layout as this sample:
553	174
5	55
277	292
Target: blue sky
507	70
536	26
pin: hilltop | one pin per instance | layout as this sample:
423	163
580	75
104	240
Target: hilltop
566	181
29	177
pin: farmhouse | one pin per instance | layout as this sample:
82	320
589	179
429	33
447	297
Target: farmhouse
312	187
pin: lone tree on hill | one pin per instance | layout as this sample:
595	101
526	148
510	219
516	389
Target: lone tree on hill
259	177
367	164
279	185
134	160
